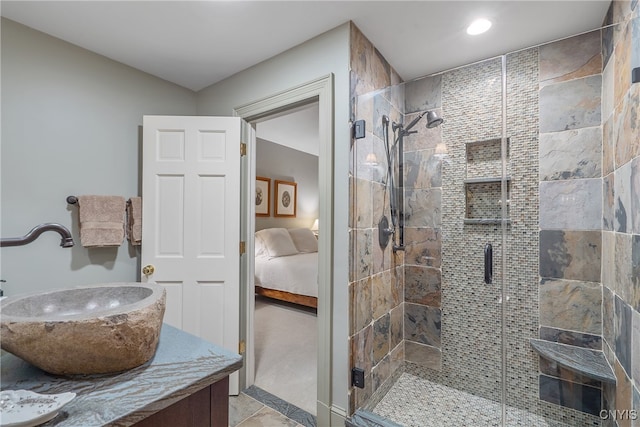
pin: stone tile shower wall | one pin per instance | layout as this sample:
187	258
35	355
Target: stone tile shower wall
570	294
423	227
376	277
573	241
621	208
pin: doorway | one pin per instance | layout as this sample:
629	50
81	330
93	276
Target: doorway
286	281
321	91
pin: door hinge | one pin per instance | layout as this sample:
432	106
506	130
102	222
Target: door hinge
243	247
241	347
243	149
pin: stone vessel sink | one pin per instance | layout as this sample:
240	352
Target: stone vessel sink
94	329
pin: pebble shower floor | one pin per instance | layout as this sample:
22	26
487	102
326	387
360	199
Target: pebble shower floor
416	402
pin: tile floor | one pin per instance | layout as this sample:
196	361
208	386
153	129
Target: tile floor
416	402
257	408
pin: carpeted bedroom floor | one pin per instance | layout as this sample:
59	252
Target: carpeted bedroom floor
286	352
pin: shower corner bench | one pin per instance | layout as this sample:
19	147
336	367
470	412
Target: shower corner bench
585	361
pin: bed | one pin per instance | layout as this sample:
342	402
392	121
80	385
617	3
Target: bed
286	265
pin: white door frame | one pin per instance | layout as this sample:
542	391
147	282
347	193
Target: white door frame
321	90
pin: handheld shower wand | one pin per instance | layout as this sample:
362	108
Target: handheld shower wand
397	213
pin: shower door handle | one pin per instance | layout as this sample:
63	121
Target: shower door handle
488	263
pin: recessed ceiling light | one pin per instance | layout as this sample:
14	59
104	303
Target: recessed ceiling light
478	26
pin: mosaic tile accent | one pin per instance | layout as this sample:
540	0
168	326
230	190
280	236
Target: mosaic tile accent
571	154
483	200
571	205
570	58
571	305
484	158
571	105
573	255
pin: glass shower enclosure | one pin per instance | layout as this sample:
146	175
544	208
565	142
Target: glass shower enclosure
507	303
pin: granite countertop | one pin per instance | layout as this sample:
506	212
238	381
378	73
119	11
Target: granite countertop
182	365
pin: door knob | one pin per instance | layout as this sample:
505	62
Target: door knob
148	270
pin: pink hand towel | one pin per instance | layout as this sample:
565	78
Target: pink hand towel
101	220
134	220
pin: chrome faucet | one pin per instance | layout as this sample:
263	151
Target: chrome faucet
66	242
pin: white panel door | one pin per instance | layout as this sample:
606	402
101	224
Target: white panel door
191	223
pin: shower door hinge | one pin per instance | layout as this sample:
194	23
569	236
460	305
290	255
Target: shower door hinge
243	149
242	347
243	247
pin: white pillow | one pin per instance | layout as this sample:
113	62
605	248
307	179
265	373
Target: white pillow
304	239
261	250
277	241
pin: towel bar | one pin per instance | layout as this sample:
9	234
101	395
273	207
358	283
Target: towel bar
72	200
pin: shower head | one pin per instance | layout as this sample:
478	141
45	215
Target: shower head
433	120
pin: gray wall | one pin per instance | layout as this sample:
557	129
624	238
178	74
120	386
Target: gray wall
324	54
70	126
276	161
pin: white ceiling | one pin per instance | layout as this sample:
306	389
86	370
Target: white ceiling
197	43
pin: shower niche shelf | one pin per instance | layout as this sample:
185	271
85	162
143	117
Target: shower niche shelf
483	186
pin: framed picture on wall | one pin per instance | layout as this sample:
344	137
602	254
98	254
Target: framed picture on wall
285	198
263	201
